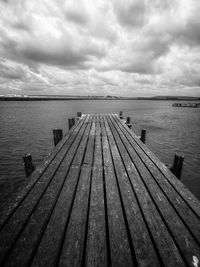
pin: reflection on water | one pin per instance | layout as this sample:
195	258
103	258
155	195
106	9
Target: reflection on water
27	127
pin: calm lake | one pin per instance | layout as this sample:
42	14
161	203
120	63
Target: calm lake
27	127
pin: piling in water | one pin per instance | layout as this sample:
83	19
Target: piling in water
177	166
71	123
79	114
128	120
120	115
28	165
143	135
57	135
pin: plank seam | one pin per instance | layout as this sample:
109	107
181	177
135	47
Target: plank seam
158	209
165	194
71	207
142	213
105	205
123	210
88	205
35	206
163	173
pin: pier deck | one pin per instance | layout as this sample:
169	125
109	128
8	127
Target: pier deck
101	198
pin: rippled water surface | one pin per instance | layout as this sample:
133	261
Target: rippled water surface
27	127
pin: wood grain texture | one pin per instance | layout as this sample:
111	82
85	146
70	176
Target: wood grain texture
183	210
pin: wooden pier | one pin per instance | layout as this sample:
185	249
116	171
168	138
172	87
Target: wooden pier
101	198
186	105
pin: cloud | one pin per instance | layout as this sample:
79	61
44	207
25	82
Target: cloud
11	70
97	47
130	13
55	55
76	13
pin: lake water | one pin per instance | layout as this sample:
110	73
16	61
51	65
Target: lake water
27	127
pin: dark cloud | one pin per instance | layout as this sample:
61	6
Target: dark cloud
77	16
61	56
138	67
131	14
188	34
55	52
154	45
21	25
52	56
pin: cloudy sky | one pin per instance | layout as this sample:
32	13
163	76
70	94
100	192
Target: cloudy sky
101	47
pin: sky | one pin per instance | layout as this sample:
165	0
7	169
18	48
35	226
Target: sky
102	47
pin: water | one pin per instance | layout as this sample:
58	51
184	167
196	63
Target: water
27	127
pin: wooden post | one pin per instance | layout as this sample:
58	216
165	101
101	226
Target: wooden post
28	165
180	167
177	166
57	135
128	120
120	115
79	114
143	135
71	123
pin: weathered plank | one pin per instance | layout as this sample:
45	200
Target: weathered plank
76	164
47	253
98	146
89	152
19	219
142	243
96	251
190	199
184	211
176	227
73	247
120	251
162	239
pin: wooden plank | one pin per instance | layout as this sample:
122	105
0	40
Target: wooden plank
48	251
81	148
190	199
184	211
89	153
119	248
98	146
46	206
14	201
166	247
143	246
96	250
26	244
181	236
73	248
17	222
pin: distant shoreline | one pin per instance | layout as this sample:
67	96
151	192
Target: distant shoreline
50	98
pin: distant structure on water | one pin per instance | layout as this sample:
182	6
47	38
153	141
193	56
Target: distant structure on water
187	105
